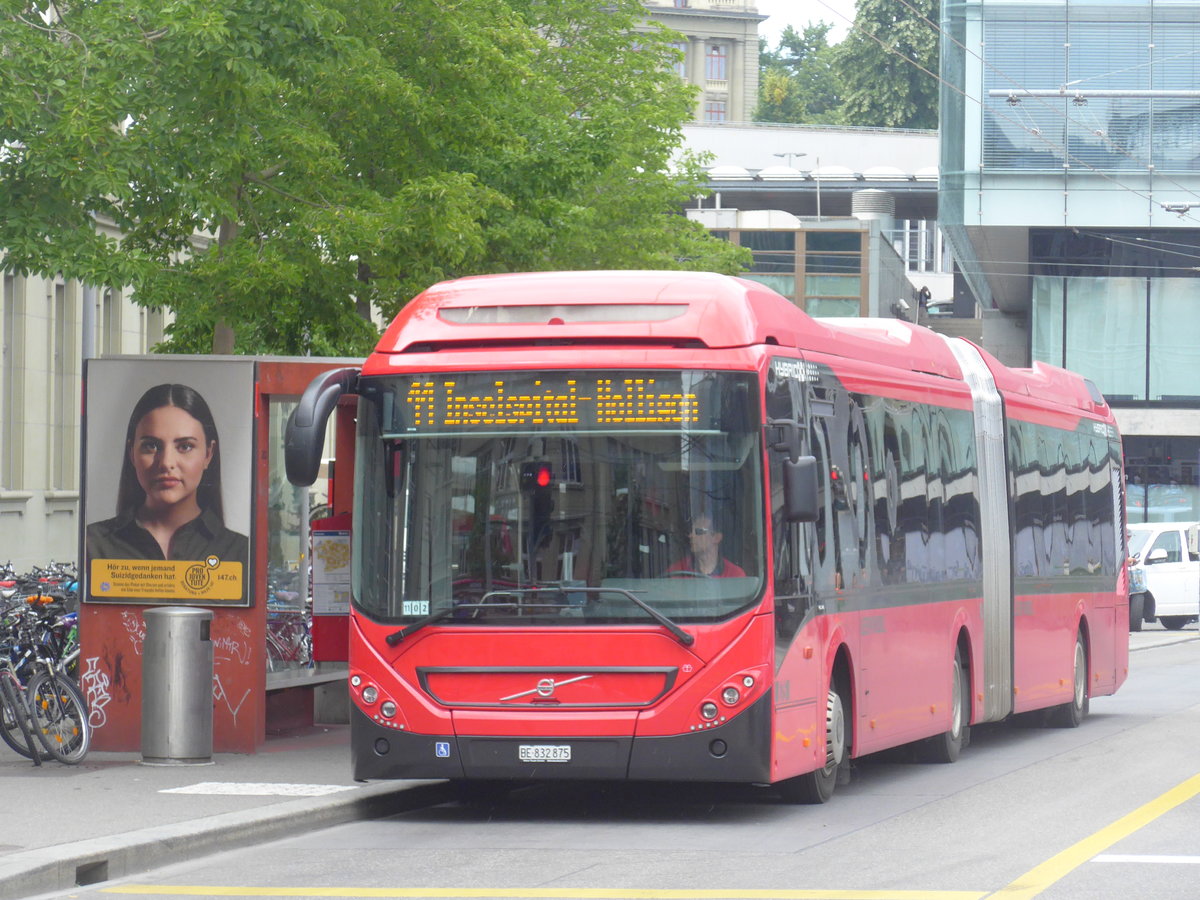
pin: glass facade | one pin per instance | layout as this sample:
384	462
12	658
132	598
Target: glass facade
1132	331
1085	113
1101	61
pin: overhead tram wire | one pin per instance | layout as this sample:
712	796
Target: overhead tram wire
1060	149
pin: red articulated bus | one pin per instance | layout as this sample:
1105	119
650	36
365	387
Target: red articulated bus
666	526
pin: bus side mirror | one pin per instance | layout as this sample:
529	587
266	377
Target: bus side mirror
800	489
304	437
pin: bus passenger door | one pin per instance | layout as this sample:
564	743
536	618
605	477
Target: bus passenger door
798	663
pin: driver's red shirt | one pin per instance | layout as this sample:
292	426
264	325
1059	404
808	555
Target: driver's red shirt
725	568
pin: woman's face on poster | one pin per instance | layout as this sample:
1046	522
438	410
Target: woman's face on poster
169	456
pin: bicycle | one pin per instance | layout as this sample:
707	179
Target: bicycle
59	716
14	715
50	706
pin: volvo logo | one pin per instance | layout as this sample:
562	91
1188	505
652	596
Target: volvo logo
545	688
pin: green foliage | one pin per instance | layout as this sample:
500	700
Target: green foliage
872	78
337	157
880	62
799	82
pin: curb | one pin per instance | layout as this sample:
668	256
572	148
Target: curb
1167	642
67	866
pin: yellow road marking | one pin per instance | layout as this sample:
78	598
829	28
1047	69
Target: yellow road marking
1028	885
1058	867
184	890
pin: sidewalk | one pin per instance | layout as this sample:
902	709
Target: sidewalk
112	816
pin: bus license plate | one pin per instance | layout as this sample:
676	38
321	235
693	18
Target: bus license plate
532	753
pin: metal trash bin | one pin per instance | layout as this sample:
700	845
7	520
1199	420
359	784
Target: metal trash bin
177	692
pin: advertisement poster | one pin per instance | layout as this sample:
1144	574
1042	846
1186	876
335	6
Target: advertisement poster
167	497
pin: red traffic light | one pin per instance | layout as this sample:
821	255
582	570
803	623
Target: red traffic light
536	475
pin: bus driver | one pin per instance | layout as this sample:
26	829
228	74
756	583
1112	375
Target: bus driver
705	558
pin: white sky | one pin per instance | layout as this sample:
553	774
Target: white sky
798	13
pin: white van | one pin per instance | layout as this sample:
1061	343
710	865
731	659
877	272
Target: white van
1164	574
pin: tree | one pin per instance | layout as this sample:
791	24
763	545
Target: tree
798	81
336	158
881	61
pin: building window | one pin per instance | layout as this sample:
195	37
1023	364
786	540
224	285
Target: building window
714	111
681	4
833	273
110	321
716	67
1163	478
154	329
920	243
13	386
680	65
64	401
774	260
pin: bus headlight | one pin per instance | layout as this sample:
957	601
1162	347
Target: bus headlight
708	709
370	694
387	708
730	696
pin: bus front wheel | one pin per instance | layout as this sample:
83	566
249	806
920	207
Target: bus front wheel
817	787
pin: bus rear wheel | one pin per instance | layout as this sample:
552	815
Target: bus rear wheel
817	787
947	746
1072	713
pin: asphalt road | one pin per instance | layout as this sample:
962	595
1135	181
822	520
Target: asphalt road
1110	809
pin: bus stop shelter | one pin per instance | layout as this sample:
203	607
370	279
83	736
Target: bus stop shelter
278	651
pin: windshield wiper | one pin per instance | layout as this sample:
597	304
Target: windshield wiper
397	636
682	636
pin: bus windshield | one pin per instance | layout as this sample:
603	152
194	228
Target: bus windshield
558	498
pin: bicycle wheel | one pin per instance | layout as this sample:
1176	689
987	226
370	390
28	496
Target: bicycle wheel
60	717
14	721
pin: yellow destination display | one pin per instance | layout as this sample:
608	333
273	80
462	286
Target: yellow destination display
523	400
197	581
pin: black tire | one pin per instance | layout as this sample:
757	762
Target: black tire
1174	623
948	746
14	722
1137	610
60	717
817	787
1072	713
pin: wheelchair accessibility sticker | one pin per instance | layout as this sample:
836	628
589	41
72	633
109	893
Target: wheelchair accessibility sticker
441	749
